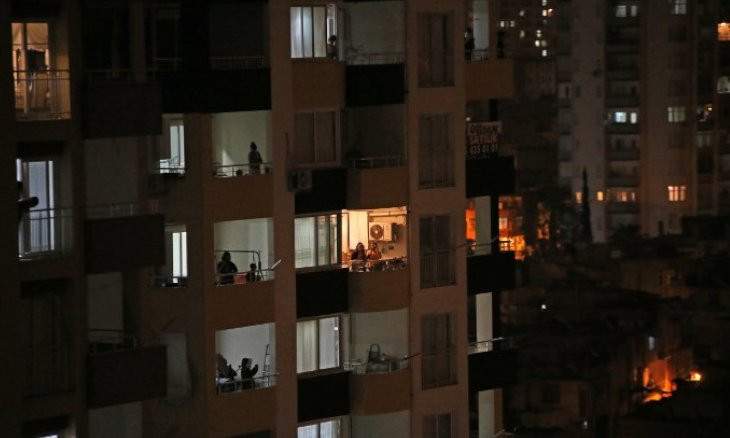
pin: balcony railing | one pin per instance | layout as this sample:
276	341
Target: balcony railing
103	341
500	343
241	277
377	162
170	166
124	209
47	369
383	364
354	58
42	95
227	386
477	55
392	264
45	233
234	170
168	281
238	62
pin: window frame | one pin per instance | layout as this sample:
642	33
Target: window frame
434	356
435	154
335	248
429	56
317	354
439	250
336	134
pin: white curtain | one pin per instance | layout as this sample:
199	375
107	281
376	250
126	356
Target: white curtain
330	429
306	346
329	342
311	431
304	238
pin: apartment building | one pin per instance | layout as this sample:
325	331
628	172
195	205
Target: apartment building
195	180
642	84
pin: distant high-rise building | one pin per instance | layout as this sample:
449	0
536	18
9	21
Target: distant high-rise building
641	88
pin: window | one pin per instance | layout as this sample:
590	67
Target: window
621	11
316	138
633	117
651	343
619	117
436	253
318	344
164	37
437	426
437	346
435	50
723	85
723	31
324	429
436	155
44	228
677	193
550	394
599	196
180	254
678	7
579	197
173	154
676	114
316	241
312	27
704	139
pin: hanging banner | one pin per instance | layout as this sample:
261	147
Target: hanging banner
482	139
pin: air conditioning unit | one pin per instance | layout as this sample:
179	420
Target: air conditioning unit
300	180
381	231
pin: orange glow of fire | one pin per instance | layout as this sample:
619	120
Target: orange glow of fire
695	376
658	380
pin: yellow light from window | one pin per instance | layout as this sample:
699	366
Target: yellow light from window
695	376
723	32
599	196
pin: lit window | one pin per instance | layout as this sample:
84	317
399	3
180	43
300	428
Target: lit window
619	117
723	85
723	32
634	10
621	11
512	23
316	241
537	43
522	34
633	118
318	344
651	343
677	7
503	223
677	193
579	197
599	196
544	53
676	114
538	33
311	29
522	12
544	2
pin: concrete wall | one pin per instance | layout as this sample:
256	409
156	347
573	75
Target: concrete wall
395	425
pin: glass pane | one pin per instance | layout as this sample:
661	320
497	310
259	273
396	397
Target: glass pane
306	346
330	429
333	242
176	254
184	253
322	241
320	32
295	25
307	30
311	431
325	137
329	342
304	241
304	138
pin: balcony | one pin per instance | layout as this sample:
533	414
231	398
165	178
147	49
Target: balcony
323	292
490	79
492	364
622	181
377	182
490	272
45	233
318	83
622	101
240	182
381	289
323	396
632	154
114	242
224	412
328	192
622	128
622	207
119	371
242	303
106	103
42	95
622	73
374	393
490	176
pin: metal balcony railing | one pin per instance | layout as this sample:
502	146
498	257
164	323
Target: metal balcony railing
227	386
238	62
241	259
391	264
382	365
501	343
45	233
123	209
377	162
355	58
234	170
42	95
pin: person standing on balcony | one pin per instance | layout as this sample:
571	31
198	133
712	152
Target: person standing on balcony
358	258
332	47
254	159
226	266
252	275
